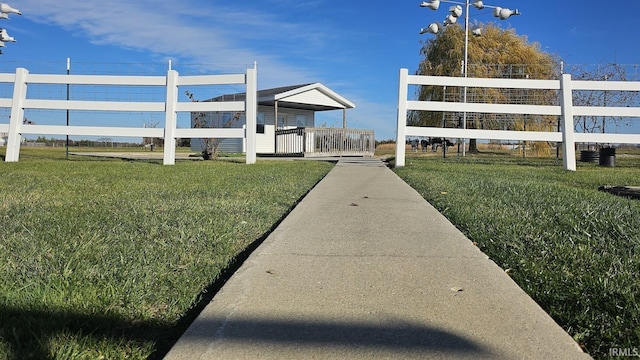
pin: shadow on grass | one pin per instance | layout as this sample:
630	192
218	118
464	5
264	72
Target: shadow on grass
27	332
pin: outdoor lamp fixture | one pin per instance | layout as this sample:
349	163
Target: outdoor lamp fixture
433	28
454	13
6	9
4	37
504	13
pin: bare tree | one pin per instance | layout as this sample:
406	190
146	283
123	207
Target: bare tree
603	98
204	120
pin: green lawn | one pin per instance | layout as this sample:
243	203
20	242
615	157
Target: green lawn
574	249
111	259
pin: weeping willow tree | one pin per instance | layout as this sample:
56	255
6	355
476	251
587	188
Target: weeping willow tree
498	53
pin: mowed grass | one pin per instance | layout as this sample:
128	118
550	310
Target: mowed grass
103	259
574	249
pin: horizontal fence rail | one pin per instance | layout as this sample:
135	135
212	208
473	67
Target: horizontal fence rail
170	107
564	109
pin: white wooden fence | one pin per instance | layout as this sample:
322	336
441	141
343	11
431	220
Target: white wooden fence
565	110
22	78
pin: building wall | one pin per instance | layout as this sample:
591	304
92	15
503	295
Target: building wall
220	120
265	142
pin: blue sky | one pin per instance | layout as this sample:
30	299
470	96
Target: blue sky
354	47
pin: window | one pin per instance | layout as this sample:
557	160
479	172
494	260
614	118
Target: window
282	121
232	120
260	123
227	120
301	120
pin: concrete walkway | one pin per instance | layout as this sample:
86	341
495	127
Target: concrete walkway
365	268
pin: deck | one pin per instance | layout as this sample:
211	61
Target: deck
316	142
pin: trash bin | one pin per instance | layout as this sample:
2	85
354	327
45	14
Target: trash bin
588	156
152	147
608	157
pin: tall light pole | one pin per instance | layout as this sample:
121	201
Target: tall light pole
454	13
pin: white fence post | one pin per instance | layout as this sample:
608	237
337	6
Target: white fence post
251	113
401	132
17	114
171	118
568	138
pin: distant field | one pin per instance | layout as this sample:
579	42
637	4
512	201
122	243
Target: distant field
107	259
574	249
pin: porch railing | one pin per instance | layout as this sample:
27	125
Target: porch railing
315	142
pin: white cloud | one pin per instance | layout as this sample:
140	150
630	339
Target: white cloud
206	32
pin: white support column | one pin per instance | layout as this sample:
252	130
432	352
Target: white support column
171	118
275	127
344	118
402	117
251	113
17	114
568	137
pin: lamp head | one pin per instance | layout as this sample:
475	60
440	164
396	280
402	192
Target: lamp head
431	4
4	36
450	20
504	13
7	9
456	10
478	4
433	28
